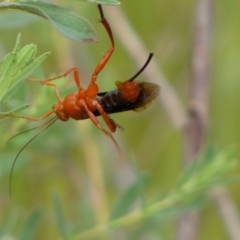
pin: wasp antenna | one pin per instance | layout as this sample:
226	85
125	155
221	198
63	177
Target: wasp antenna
28	130
25	145
143	67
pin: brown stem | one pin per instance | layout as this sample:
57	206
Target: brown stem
195	129
228	211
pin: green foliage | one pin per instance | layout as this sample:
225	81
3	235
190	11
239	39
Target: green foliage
208	170
189	193
67	22
14	70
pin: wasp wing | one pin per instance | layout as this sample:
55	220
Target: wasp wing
148	92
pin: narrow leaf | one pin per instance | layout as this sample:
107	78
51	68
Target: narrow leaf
61	223
18	44
67	22
128	198
26	55
30	227
9	70
109	2
4	65
22	75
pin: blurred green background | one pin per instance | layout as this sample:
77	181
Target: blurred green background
73	168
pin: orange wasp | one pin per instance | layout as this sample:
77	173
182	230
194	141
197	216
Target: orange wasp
89	103
129	95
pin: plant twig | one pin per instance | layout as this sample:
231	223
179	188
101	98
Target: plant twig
194	132
228	211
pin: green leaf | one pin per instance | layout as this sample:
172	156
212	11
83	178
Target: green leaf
67	22
7	70
61	223
21	76
128	198
109	2
177	209
26	55
30	227
18	44
208	170
14	70
4	65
